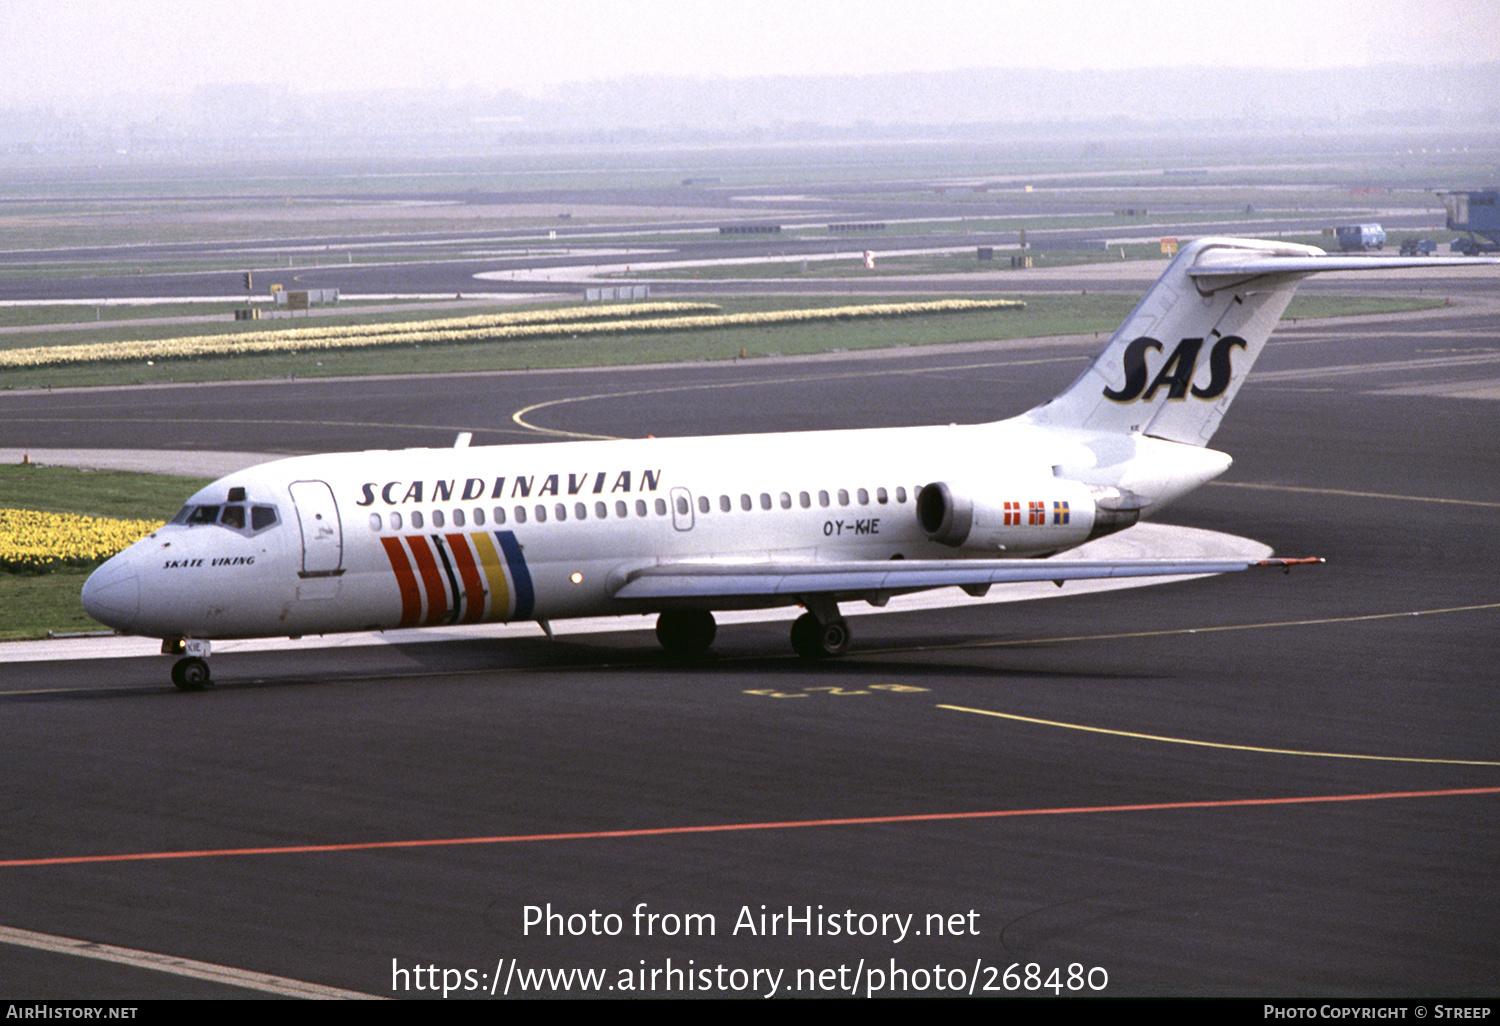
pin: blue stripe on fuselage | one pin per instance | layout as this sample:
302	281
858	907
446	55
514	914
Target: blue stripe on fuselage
520	577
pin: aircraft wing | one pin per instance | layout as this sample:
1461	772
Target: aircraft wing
709	580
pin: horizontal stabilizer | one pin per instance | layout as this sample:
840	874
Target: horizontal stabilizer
1302	266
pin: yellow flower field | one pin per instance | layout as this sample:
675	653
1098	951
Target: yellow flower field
577	321
32	542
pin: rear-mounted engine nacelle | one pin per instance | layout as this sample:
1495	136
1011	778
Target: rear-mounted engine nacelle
1027	519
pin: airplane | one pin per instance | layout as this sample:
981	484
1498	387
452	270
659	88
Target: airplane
685	527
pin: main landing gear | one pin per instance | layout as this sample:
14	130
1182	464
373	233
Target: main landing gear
813	638
191	672
819	633
686	632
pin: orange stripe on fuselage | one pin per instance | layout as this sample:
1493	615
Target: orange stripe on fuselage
411	595
463	558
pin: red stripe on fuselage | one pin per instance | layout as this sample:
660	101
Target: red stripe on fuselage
432	578
411	595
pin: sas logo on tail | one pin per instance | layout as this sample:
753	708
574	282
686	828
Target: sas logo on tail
1176	375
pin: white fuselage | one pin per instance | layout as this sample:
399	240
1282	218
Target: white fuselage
386	539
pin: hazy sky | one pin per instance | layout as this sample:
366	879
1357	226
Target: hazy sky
71	49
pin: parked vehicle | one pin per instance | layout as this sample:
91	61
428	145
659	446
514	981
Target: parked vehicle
1360	237
1477	213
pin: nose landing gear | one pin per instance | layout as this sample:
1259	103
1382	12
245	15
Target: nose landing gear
189	673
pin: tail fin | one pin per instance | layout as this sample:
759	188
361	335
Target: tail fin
1175	365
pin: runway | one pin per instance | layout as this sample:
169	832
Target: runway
1259	784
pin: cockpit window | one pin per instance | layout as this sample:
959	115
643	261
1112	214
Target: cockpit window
235	516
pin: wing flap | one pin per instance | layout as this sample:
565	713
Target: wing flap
707	580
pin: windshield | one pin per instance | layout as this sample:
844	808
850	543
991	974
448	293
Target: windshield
243	518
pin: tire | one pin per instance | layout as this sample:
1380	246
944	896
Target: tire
834	638
686	631
812	639
190	674
805	637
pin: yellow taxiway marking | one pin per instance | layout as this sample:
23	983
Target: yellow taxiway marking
1318	621
227	975
1353	495
1215	744
519	417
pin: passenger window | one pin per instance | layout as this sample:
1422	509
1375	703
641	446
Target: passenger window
843	496
786	500
745	503
499	515
765	500
682	506
881	497
901	495
416	520
541	514
478	517
375	522
580	511
864	497
823	499
640	507
520	514
621	510
661	507
724	504
437	518
395	521
458	518
703	504
601	510
561	510
805	500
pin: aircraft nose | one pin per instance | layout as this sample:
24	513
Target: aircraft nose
112	594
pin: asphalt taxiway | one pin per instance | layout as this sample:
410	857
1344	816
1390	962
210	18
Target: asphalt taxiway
1259	784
